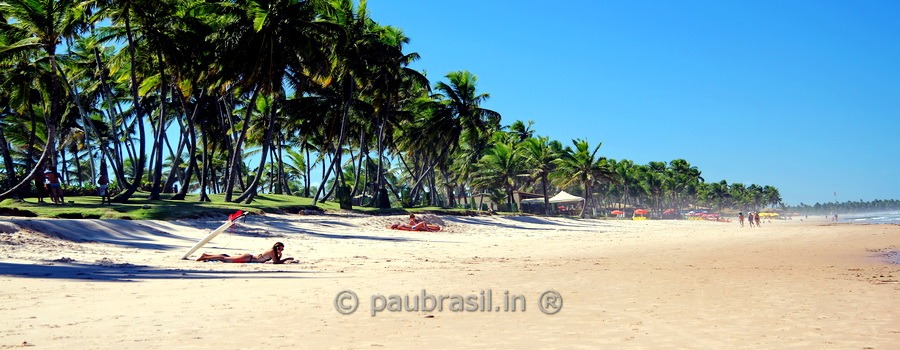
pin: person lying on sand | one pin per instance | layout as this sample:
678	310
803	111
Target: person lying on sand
416	225
273	254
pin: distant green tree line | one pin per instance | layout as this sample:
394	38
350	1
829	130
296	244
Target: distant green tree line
847	207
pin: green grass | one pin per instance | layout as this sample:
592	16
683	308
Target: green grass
139	208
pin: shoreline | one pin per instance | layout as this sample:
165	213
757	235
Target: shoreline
651	283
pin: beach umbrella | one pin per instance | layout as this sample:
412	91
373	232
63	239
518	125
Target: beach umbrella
617	212
669	211
640	212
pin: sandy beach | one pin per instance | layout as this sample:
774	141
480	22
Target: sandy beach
107	284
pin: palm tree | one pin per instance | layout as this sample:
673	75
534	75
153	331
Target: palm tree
39	27
739	194
395	86
625	174
461	119
521	130
145	27
582	165
502	163
351	39
771	196
263	43
718	194
540	153
755	195
683	179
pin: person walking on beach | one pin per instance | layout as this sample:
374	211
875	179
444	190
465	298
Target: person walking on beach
741	218
750	218
756	218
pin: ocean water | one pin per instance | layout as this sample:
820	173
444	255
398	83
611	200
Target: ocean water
892	217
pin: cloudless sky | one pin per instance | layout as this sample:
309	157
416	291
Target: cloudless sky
800	95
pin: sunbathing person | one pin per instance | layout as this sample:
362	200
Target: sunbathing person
273	255
416	225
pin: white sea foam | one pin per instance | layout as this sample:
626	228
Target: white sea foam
892	217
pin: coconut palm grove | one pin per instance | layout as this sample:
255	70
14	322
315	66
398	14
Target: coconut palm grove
304	98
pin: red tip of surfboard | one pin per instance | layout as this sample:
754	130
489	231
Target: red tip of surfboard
236	215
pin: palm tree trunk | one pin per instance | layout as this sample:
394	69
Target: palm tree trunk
87	127
281	174
32	138
587	196
336	159
7	160
204	176
115	158
307	180
379	172
156	186
362	152
247	196
546	196
77	159
139	117
174	174
27	179
234	162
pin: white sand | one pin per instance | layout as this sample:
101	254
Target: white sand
642	284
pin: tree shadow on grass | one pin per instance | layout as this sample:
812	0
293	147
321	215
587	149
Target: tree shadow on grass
134	273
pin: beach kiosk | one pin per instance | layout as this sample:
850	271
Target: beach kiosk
565	203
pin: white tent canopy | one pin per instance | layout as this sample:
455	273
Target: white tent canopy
565	197
562	197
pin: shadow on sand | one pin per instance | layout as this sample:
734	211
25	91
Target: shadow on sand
124	233
286	226
132	273
513	220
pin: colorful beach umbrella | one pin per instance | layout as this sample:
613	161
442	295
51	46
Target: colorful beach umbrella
617	212
640	212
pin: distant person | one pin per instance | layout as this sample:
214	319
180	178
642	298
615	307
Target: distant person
750	218
40	188
756	218
102	189
273	255
54	185
415	223
741	218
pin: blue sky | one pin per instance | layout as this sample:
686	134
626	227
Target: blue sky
801	95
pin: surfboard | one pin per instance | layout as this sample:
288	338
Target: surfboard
231	218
